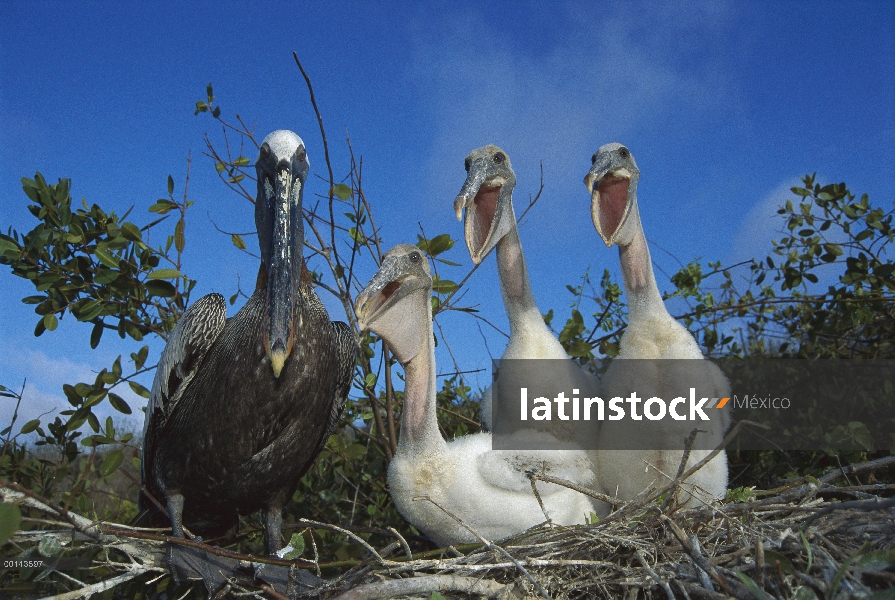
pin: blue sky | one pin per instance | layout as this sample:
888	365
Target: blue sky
723	104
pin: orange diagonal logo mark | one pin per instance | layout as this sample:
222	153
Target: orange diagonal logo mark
722	403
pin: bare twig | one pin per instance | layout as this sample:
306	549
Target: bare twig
421	585
489	545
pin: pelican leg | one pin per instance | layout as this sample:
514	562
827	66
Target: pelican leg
175	513
273	523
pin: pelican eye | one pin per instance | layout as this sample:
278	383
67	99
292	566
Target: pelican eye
415	257
301	154
265	151
499	157
466	165
623	152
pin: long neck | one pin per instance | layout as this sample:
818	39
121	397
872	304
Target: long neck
514	283
644	299
419	424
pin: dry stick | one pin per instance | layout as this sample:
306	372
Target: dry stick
703	576
328	167
863	505
654	575
96	588
214	550
534	489
422	585
733	588
688	447
272	592
576	487
489	545
356	538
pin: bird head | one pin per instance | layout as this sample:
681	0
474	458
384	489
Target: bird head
612	182
396	301
487	194
282	169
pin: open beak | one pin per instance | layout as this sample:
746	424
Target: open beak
389	286
488	217
285	265
609	198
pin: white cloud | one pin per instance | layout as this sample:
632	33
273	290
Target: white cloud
600	81
762	224
43	396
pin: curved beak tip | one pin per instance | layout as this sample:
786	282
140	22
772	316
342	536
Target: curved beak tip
277	361
458	208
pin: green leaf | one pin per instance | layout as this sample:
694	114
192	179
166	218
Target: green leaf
30	426
200	107
119	404
10	519
436	596
753	587
106	258
49	547
140	357
773	558
444	286
877	561
370	380
440	243
238	241
170	185
220	167
138	389
131	232
96	334
89	310
111	462
355	450
297	541
160	288
50	322
242	161
164	274
162	207
341	191
179	239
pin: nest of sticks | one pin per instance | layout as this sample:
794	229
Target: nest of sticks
812	538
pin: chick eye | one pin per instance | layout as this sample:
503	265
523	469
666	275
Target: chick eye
301	154
499	157
466	165
593	159
265	151
623	152
415	257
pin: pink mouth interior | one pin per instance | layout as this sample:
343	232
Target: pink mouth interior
613	200
382	297
485	207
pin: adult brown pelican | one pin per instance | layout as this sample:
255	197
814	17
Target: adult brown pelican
654	336
241	407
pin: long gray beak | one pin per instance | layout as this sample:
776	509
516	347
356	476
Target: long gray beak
489	211
285	265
